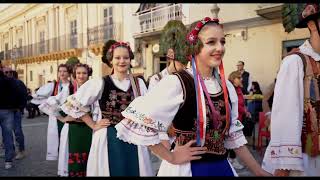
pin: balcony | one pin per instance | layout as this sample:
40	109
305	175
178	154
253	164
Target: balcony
270	11
101	34
63	46
155	19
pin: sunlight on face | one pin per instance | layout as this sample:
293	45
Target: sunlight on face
213	39
63	73
81	75
121	60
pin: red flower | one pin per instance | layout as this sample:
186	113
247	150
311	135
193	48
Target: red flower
215	20
207	19
194	32
199	25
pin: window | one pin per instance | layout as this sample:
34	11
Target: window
31	76
73	33
19	50
6	49
163	63
42	42
108	23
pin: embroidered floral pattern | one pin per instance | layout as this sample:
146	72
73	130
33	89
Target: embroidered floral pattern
286	151
145	120
78	158
117	102
72	104
139	129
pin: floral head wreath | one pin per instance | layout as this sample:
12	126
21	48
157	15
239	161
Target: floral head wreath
118	44
193	35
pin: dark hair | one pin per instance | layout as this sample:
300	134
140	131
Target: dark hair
109	55
65	66
89	69
241	62
195	49
105	49
256	86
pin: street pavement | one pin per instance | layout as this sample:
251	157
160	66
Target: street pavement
35	164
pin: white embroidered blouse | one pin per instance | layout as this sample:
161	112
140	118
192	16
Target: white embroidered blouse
87	97
147	116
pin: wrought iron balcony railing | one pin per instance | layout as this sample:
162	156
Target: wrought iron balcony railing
102	33
96	35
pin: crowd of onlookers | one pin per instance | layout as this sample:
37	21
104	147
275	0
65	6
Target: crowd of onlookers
251	101
14	97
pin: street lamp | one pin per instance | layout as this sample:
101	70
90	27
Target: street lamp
215	10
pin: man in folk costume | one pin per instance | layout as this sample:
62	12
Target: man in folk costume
173	45
294	150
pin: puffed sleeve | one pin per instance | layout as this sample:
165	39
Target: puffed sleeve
43	93
235	137
148	115
81	102
52	105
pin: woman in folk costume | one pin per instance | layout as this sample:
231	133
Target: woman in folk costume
75	139
108	155
295	149
200	105
42	96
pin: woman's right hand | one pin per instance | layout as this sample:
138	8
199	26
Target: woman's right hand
103	123
187	153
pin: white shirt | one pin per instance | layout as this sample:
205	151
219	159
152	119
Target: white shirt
284	150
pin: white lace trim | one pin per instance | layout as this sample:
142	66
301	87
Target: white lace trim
74	108
137	134
235	140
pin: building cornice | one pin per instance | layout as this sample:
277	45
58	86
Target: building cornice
249	23
12	12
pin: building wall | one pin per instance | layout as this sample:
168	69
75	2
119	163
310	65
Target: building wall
261	52
27	20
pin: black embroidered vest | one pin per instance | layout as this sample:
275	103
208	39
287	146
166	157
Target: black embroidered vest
114	100
184	123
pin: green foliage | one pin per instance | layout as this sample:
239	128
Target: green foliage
290	16
174	36
72	61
